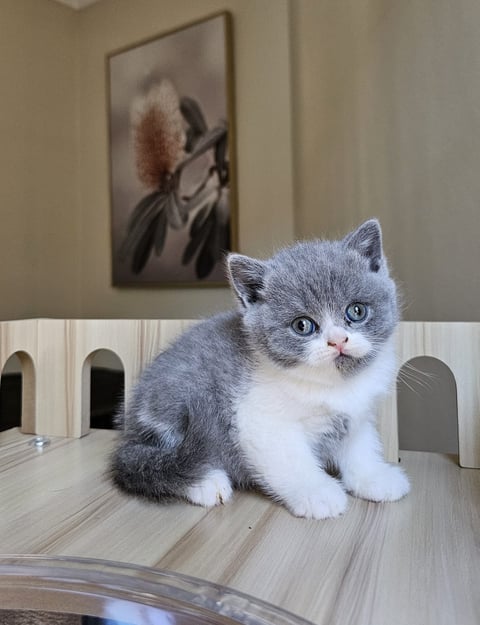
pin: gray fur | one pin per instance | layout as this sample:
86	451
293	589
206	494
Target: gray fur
180	419
327	446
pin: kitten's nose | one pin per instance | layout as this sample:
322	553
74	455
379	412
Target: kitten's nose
338	341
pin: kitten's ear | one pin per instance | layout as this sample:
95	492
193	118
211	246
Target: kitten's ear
367	240
246	276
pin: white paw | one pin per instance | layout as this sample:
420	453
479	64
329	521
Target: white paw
326	502
214	489
387	483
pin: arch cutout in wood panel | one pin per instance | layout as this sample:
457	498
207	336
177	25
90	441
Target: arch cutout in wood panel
427	406
103	388
18	393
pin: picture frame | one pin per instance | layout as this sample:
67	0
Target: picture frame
173	196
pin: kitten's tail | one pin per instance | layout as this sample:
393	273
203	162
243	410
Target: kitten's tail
150	471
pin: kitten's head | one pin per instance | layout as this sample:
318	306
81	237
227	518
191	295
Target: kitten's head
321	303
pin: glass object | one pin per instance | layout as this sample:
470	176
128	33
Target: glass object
108	592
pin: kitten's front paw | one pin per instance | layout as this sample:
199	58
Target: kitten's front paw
214	489
327	502
387	483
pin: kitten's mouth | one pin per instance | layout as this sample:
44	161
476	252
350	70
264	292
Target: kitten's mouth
348	364
340	352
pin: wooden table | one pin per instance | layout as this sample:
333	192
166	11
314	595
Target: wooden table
415	562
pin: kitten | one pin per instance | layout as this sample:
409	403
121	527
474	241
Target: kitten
278	395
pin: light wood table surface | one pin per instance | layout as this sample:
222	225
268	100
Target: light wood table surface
415	562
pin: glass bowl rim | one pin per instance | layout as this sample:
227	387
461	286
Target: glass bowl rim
142	585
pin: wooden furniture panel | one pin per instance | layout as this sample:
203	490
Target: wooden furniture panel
457	345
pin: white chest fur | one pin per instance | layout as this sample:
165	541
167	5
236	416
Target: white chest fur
308	397
282	414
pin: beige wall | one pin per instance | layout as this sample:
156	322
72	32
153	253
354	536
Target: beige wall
387	123
344	110
38	199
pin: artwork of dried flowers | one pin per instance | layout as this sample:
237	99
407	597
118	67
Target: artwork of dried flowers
173	218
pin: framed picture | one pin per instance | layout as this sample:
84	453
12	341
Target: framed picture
173	196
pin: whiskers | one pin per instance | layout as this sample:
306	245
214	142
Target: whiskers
416	379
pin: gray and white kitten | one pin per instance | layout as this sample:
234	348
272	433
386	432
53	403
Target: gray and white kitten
279	395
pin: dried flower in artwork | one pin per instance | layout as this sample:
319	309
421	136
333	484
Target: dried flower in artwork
169	134
158	135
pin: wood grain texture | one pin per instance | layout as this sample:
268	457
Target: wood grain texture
415	561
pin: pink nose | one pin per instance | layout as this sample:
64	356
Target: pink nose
338	342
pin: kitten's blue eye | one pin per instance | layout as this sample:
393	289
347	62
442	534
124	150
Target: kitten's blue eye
356	312
304	326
